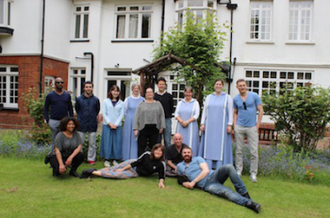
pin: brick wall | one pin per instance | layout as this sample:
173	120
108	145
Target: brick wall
28	76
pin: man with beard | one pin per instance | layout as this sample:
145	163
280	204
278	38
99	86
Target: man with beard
60	105
198	174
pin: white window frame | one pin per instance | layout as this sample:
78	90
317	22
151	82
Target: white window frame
126	77
80	76
82	15
300	9
178	92
257	80
5	14
49	82
127	13
265	11
8	74
182	8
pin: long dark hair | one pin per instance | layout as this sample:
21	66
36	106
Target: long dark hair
155	147
64	123
114	87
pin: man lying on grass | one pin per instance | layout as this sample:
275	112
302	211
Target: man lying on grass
195	171
147	164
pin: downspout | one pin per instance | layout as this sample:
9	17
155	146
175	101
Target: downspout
162	24
42	46
92	63
230	7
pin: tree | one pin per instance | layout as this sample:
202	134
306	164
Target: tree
302	114
200	44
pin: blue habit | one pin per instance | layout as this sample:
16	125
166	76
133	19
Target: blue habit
130	147
216	147
190	135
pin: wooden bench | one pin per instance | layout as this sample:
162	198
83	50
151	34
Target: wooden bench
267	136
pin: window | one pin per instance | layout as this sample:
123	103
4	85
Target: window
261	18
5	7
177	90
300	28
81	16
198	7
271	81
9	86
78	78
49	83
122	79
133	22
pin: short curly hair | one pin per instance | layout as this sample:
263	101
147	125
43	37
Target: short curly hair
66	120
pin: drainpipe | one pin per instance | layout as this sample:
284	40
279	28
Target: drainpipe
163	21
42	46
231	7
92	63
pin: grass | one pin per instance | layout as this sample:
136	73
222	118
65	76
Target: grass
27	189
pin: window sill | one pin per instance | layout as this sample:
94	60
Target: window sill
261	42
79	40
9	109
131	40
6	31
300	43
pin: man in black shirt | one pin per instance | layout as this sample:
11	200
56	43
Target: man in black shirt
166	100
173	155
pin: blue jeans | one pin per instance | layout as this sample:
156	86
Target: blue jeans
214	185
167	132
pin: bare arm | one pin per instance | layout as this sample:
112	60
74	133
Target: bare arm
62	168
235	116
171	164
261	113
201	176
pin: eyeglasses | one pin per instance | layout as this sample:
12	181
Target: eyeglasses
59	82
244	104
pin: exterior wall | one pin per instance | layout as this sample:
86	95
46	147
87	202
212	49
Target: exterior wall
28	76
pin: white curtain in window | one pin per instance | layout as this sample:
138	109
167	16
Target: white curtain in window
133	26
121	26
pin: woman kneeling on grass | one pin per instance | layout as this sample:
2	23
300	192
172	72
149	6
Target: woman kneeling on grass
67	148
147	164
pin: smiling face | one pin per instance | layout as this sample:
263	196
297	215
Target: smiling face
149	94
158	153
188	94
70	126
177	138
161	86
241	86
136	90
88	89
115	94
59	83
187	155
218	86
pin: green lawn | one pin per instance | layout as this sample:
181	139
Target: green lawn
27	189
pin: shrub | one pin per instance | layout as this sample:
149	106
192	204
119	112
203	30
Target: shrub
40	133
302	114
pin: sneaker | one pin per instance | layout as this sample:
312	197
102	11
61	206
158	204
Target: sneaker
106	163
253	206
114	163
253	178
90	162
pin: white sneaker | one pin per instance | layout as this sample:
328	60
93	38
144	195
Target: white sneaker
106	163
114	163
253	178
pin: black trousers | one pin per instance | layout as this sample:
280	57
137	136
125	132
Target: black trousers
76	161
150	134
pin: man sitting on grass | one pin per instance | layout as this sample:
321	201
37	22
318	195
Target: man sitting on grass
196	172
